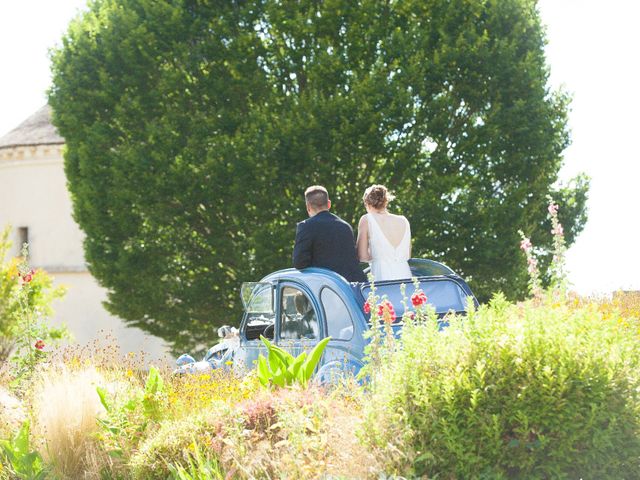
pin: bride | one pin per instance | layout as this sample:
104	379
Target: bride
384	239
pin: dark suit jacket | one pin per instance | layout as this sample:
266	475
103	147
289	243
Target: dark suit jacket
327	241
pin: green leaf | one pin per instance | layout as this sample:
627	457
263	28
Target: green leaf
154	383
315	356
102	394
263	371
295	367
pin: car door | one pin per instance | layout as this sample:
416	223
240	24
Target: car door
345	350
259	303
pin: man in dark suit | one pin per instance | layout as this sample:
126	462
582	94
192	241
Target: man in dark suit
325	240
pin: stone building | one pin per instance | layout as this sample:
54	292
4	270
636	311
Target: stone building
35	201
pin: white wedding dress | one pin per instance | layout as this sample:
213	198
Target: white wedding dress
388	262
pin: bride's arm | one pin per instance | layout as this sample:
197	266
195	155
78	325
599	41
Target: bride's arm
362	244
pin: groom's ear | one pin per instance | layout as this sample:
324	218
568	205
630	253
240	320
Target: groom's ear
328	204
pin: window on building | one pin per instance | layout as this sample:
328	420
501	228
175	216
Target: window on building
23	237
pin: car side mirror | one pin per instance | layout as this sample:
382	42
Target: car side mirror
226	331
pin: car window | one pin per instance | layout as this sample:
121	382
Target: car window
298	319
260	320
339	322
444	295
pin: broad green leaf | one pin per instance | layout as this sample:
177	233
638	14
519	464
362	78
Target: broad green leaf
102	393
295	367
154	382
263	371
315	356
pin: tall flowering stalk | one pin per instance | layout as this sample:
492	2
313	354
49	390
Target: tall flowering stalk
32	349
535	286
381	340
558	269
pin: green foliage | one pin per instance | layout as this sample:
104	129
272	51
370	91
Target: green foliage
192	129
199	467
24	462
511	391
129	414
284	369
154	394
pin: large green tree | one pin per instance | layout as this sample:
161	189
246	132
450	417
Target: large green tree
193	127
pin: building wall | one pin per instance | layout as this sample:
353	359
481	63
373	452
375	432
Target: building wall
33	194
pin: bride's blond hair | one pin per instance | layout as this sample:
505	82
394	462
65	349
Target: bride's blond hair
377	196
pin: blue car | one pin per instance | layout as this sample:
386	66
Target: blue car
296	309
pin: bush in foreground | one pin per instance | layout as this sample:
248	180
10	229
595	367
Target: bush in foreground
543	390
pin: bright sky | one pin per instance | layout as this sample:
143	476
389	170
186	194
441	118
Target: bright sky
593	53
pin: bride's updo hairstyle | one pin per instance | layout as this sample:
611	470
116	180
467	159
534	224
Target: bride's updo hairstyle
377	196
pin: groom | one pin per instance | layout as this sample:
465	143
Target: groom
325	240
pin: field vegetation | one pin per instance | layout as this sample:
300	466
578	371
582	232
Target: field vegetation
544	388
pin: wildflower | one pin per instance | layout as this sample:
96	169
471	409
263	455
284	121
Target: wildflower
39	345
525	244
367	308
558	230
553	209
418	298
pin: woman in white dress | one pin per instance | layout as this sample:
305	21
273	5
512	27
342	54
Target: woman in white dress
384	239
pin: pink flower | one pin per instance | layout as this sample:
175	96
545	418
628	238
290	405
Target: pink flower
525	244
553	209
39	345
27	277
367	308
558	230
386	311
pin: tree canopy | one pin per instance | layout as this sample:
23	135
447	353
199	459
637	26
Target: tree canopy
193	127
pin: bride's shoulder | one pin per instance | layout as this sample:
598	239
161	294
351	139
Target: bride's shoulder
363	219
400	217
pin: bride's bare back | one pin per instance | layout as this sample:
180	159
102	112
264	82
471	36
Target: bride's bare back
393	227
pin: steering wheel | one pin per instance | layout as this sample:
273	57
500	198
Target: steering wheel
269	332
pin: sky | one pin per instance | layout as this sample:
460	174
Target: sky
593	55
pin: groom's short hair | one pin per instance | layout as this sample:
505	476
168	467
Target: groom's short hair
316	197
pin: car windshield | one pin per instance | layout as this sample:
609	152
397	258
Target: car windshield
443	293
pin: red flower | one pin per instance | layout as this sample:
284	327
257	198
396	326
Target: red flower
367	308
27	277
39	345
418	298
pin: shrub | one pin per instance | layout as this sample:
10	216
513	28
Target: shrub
173	444
512	391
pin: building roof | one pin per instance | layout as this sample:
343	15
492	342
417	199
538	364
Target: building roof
35	130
